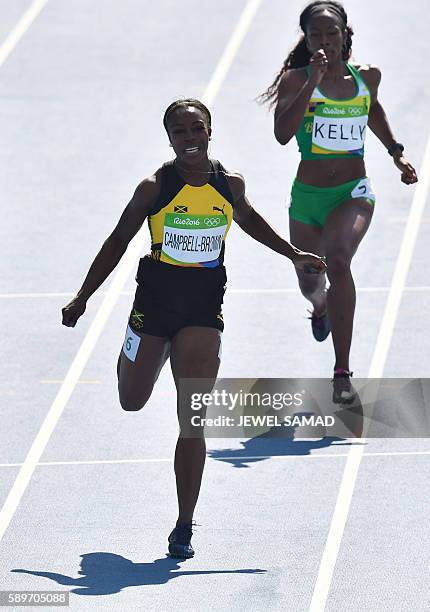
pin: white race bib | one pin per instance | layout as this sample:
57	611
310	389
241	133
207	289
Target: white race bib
338	128
131	344
363	189
193	238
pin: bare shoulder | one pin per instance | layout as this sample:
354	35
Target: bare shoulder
371	74
148	190
138	208
292	78
236	182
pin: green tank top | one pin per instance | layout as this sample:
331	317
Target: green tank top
333	128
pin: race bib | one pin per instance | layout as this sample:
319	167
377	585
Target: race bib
363	189
339	128
193	238
131	344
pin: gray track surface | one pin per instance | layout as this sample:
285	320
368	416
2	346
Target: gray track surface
81	98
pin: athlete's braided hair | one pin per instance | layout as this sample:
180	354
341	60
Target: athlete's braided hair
184	103
300	55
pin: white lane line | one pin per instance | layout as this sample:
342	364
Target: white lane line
230	51
292	290
14	296
78	382
20	29
127	264
376	370
232	458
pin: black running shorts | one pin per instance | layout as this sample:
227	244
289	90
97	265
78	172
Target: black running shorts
169	298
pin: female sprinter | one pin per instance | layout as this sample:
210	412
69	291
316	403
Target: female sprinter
189	204
326	102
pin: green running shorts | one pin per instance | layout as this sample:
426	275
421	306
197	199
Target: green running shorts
312	205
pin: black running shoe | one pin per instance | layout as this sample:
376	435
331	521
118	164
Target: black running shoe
320	326
343	391
180	542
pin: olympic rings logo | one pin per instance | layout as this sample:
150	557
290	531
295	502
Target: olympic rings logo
354	110
212	222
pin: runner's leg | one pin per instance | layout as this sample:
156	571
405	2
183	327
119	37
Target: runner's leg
309	238
194	354
136	378
343	231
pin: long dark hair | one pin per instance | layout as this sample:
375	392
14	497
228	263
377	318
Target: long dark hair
299	56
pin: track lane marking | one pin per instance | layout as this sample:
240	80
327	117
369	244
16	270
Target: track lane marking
230	51
235	458
20	29
78	382
16	296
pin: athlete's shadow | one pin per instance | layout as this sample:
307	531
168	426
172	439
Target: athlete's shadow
277	442
286	438
105	573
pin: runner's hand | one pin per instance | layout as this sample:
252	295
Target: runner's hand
312	264
318	65
409	174
72	311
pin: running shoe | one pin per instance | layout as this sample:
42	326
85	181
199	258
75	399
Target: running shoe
343	391
320	326
180	542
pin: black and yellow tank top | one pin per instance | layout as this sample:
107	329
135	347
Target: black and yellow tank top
189	224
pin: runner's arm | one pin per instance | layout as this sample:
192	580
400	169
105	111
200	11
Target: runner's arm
113	248
378	123
295	91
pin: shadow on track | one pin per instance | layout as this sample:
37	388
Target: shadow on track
277	442
105	573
